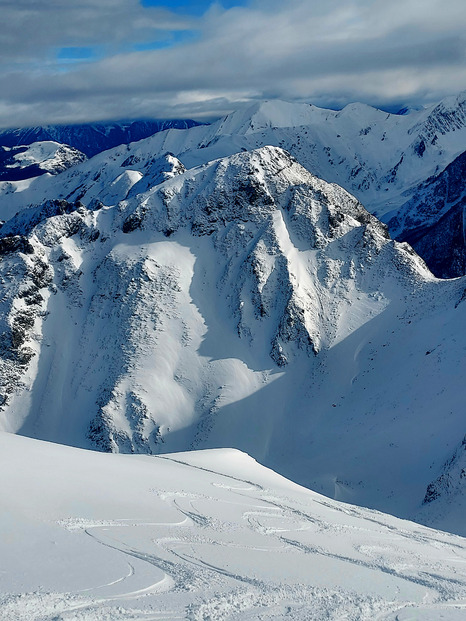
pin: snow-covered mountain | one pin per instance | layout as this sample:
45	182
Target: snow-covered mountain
25	162
378	157
205	535
382	159
92	138
245	303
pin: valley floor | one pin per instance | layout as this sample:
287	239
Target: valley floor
205	535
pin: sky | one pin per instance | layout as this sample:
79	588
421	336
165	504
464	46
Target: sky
65	61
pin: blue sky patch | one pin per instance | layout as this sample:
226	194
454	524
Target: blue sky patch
193	7
173	38
77	54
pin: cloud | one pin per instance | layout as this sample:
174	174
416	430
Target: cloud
30	31
324	51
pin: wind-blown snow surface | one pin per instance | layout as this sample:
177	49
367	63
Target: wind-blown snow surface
242	303
205	535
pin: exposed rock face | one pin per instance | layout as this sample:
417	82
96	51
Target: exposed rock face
452	480
433	221
15	243
23	277
445	497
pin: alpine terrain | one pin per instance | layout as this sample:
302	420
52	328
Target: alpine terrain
232	304
217	288
205	535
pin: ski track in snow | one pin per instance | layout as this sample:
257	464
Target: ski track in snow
187	568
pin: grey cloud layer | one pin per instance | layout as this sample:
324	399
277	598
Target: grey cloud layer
31	29
324	51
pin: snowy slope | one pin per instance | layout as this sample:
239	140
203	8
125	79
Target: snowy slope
205	535
241	303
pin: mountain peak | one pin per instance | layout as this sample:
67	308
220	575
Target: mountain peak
268	114
28	161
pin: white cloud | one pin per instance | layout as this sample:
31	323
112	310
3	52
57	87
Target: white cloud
329	51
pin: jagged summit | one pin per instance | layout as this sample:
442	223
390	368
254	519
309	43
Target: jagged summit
249	186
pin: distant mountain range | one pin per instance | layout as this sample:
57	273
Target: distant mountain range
395	164
91	138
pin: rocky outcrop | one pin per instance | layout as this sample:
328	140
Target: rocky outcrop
452	480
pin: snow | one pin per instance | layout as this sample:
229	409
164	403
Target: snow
205	535
47	155
37	152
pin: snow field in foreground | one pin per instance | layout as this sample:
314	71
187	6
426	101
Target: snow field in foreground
205	535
